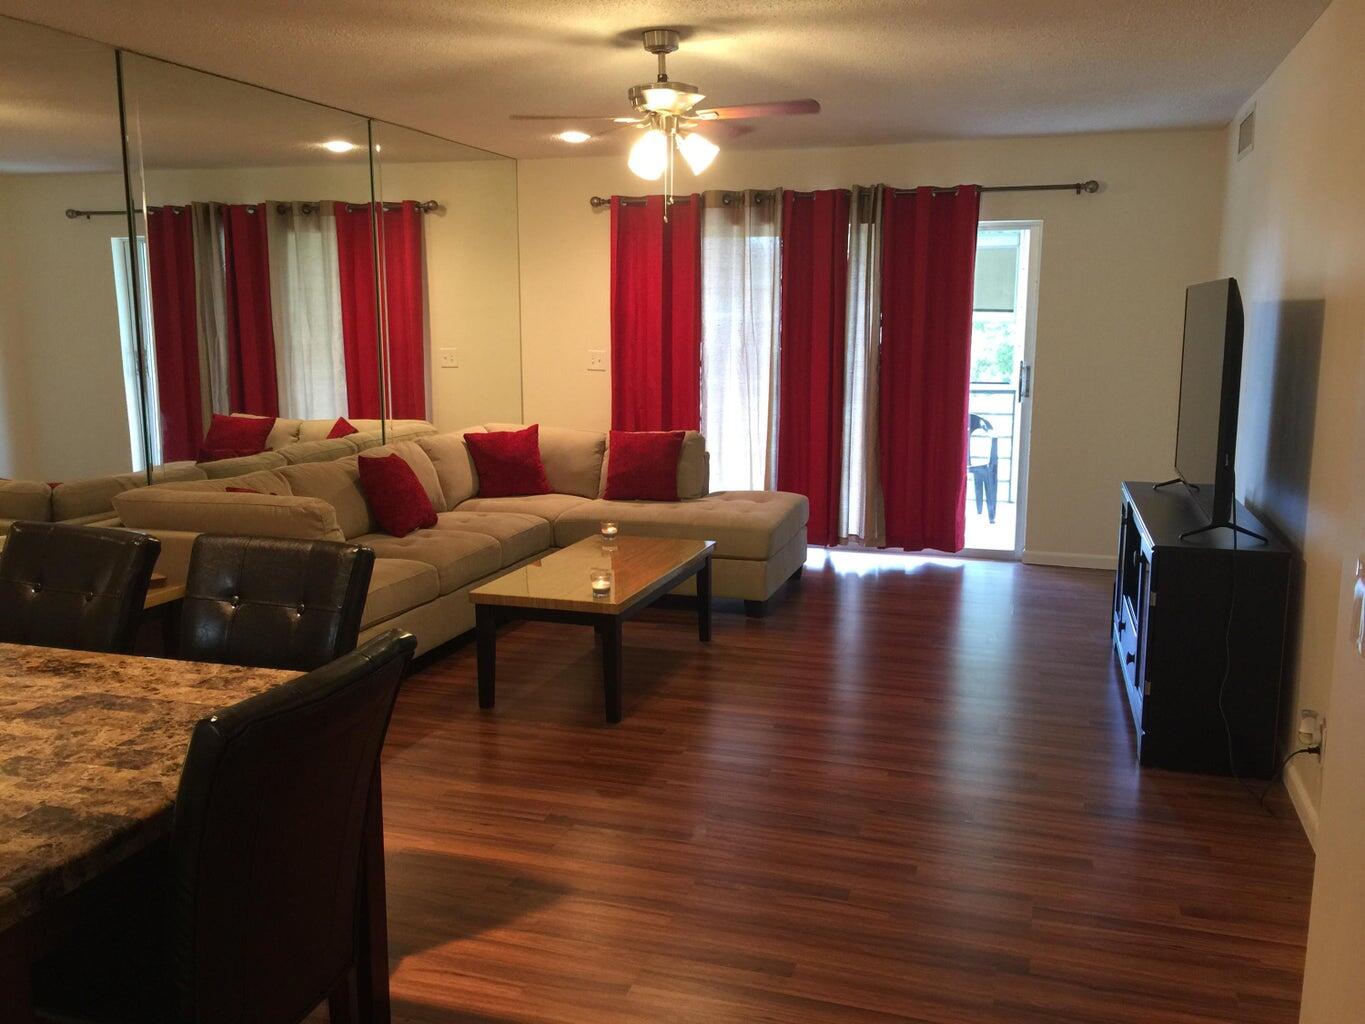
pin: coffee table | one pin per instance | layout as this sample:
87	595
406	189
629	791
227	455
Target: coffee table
556	588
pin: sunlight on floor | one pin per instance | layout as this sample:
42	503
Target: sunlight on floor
860	563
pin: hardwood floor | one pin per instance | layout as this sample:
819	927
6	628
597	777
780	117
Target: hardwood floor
907	795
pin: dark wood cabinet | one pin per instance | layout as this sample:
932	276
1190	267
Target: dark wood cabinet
1199	630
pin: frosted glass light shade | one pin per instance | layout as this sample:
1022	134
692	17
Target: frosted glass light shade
698	151
649	155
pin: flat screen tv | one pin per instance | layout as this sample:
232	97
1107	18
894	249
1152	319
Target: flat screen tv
1210	385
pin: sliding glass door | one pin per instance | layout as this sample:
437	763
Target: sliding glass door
1003	328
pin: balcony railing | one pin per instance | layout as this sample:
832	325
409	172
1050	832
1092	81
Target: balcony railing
994	403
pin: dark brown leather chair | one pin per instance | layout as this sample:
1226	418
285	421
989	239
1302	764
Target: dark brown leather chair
255	914
273	603
78	587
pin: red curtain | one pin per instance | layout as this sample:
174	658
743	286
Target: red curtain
170	258
928	263
359	326
656	314
811	397
404	310
250	333
400	239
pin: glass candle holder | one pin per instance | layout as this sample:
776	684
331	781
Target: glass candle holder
600	580
608	530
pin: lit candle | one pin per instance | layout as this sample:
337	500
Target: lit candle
600	580
609	531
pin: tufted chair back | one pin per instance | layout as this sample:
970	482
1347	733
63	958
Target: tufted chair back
78	587
267	838
273	603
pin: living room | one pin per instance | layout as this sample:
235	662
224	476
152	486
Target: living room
830	399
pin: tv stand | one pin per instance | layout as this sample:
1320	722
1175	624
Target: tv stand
1199	621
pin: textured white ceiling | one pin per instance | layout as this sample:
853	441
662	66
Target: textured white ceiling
885	71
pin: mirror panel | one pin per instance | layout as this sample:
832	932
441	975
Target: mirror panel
449	281
69	388
255	203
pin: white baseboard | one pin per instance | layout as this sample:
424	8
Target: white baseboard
1303	804
1071	560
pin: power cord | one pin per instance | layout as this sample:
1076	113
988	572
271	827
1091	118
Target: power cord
1316	748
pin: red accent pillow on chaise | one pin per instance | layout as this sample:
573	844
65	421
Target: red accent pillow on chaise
396	497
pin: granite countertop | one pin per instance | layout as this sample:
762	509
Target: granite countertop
91	747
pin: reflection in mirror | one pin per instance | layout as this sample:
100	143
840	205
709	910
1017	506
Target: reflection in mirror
449	280
259	307
69	389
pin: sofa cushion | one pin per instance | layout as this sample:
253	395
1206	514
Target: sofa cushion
744	524
572	458
643	465
454	468
548	506
520	536
421	465
81	499
397	500
317	451
243	434
459	558
245	464
265	481
239	515
25	499
338	484
508	462
396	585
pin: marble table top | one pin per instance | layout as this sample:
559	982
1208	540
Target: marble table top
91	747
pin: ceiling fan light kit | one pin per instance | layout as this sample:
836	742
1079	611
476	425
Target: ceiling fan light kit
666	111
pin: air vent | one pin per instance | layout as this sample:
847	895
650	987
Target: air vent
1246	134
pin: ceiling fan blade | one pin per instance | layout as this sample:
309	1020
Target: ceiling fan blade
571	117
778	108
721	129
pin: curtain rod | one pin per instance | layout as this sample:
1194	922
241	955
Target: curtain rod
430	206
1079	187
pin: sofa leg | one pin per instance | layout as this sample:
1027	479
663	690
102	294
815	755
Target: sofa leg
757	609
797	575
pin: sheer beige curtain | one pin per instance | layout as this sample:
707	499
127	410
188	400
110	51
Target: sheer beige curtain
861	521
212	315
741	301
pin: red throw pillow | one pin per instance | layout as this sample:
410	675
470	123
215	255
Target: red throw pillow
218	454
508	462
341	428
244	435
395	495
642	465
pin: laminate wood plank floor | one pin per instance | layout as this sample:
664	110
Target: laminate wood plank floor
907	795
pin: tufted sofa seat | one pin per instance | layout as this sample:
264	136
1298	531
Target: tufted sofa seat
421	582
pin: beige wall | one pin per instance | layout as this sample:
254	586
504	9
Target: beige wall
1295	238
1114	270
64	413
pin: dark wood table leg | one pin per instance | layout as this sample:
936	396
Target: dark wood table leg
704	601
16	1000
372	924
611	666
487	626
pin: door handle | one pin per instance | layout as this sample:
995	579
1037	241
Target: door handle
1025	381
1358	607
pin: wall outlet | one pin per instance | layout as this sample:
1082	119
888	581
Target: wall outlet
597	359
1311	726
450	358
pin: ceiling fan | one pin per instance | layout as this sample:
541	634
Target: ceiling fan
667	112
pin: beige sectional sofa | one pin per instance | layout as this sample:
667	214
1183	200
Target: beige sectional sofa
422	581
91	501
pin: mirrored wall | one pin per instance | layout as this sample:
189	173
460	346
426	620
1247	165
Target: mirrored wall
283	259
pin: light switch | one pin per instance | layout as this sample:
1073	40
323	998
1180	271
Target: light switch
597	359
450	359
